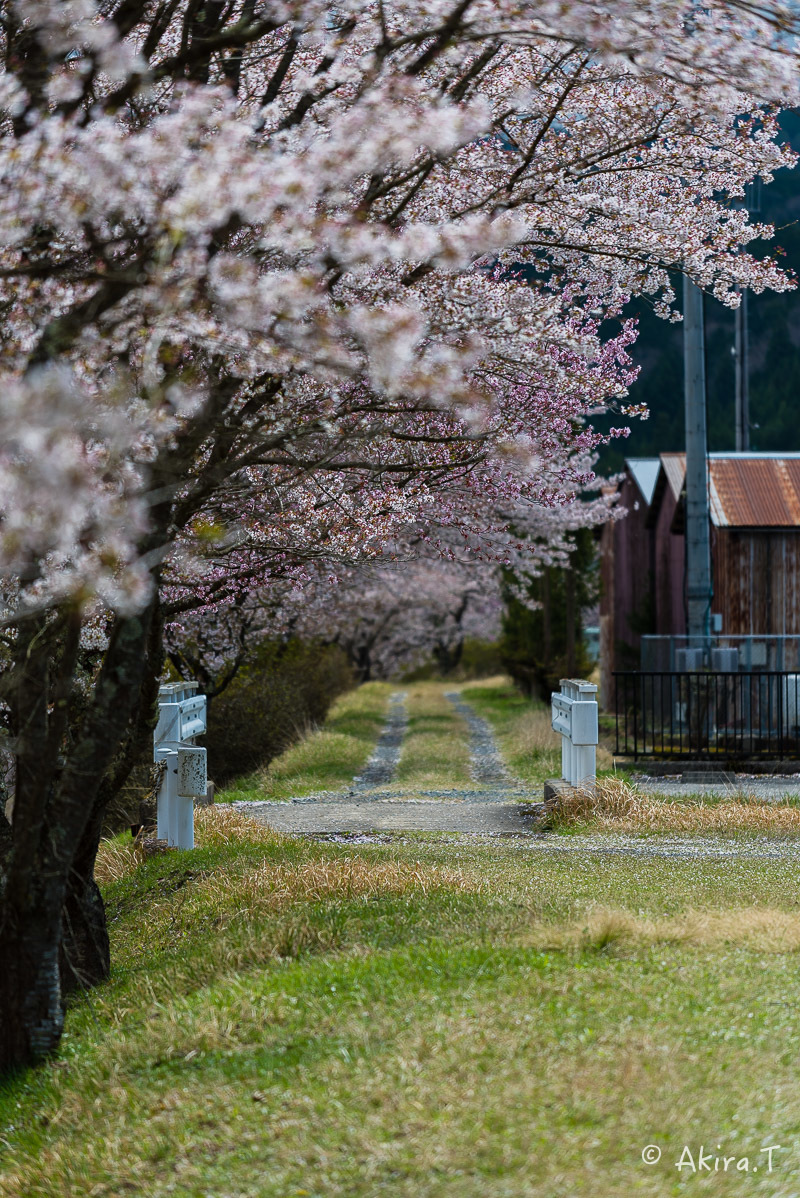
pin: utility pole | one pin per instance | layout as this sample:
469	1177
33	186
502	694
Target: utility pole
699	589
741	369
741	348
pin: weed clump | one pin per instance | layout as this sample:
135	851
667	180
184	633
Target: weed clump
614	805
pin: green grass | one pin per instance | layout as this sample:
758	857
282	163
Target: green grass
433	1016
328	757
435	750
436	1016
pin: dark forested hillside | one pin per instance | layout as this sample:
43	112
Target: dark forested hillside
774	352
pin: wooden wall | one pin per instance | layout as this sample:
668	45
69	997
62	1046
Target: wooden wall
669	566
757	580
626	573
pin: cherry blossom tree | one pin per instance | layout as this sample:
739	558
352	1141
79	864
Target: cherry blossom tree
282	285
390	617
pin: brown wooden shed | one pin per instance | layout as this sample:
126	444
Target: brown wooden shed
754	507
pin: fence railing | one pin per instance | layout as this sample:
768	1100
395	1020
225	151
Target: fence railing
574	715
181	717
722	653
722	715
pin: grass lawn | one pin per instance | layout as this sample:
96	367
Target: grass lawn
429	1015
432	1016
326	758
435	749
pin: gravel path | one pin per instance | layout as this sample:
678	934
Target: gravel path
681	848
486	764
496	806
771	788
392	815
492	806
382	765
385	818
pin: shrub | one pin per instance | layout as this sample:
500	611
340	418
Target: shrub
281	690
544	643
477	659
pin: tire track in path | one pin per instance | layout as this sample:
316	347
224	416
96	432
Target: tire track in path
486	763
492	806
382	765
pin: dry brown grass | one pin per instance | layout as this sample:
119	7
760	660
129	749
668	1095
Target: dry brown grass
616	806
279	886
116	860
213	826
533	734
220	824
762	929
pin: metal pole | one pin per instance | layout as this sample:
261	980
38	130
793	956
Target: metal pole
741	367
699	589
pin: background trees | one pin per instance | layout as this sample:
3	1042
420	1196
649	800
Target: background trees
260	314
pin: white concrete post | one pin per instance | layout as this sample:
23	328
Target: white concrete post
167	792
574	715
182	717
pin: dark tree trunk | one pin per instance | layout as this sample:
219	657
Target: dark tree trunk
57	800
448	656
31	1010
6	841
362	663
50	828
85	950
570	615
85	956
547	637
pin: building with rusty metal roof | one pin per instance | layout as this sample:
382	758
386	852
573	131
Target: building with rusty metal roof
745	490
754	508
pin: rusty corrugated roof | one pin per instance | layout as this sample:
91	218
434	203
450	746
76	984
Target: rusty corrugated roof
753	490
674	465
746	490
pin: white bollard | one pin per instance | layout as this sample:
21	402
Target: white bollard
574	715
181	717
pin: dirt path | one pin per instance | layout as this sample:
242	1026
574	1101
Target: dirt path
486	763
492	806
382	814
382	765
495	805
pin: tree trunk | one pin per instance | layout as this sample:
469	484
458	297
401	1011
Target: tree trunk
85	956
85	953
448	656
6	840
570	616
31	1011
362	663
35	904
547	637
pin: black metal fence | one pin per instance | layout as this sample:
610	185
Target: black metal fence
714	716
